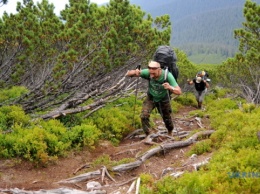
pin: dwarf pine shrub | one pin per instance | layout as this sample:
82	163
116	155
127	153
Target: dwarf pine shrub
147	183
83	135
43	141
11	115
201	147
187	98
12	93
117	119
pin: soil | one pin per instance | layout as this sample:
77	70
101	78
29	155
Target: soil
25	176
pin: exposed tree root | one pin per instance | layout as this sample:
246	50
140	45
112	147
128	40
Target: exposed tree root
164	147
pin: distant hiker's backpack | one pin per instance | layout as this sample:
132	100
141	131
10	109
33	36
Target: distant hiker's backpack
204	75
166	56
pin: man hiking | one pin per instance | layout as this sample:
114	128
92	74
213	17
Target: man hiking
157	94
201	86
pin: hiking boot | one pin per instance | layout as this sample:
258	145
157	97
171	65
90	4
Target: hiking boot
147	133
150	131
199	105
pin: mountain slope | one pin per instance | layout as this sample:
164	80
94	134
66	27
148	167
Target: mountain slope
201	27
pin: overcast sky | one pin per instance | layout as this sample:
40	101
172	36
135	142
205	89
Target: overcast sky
59	5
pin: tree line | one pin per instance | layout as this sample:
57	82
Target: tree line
68	57
83	54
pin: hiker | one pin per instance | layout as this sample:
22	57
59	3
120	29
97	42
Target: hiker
201	86
158	94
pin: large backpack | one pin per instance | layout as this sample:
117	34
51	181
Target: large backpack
166	56
204	75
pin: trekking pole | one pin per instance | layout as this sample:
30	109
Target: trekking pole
136	90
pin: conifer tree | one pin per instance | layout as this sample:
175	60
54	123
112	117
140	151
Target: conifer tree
242	72
58	57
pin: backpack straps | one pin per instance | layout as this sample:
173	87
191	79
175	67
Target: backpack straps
165	74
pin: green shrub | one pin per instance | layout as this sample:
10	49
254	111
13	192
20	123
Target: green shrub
223	105
71	120
46	141
114	125
30	144
147	183
248	107
218	92
3	122
12	93
11	115
103	160
165	186
201	147
175	106
84	135
187	99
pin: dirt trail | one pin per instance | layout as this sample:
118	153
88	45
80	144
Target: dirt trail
23	175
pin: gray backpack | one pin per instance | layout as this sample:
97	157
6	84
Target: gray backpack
166	56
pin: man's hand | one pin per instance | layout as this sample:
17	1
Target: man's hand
175	90
133	73
137	72
167	86
189	81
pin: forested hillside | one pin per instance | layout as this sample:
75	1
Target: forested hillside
203	29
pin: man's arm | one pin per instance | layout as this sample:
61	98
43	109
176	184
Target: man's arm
133	73
174	89
190	82
206	83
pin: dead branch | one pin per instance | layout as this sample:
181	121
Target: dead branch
111	93
57	113
198	165
128	166
82	177
137	185
119	184
109	176
131	187
177	174
127	151
94	110
137	131
103	174
199	122
80	168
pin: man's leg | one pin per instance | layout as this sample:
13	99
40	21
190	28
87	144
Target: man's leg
198	98
148	106
201	98
165	108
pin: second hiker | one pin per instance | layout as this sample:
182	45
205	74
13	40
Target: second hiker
157	94
201	86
